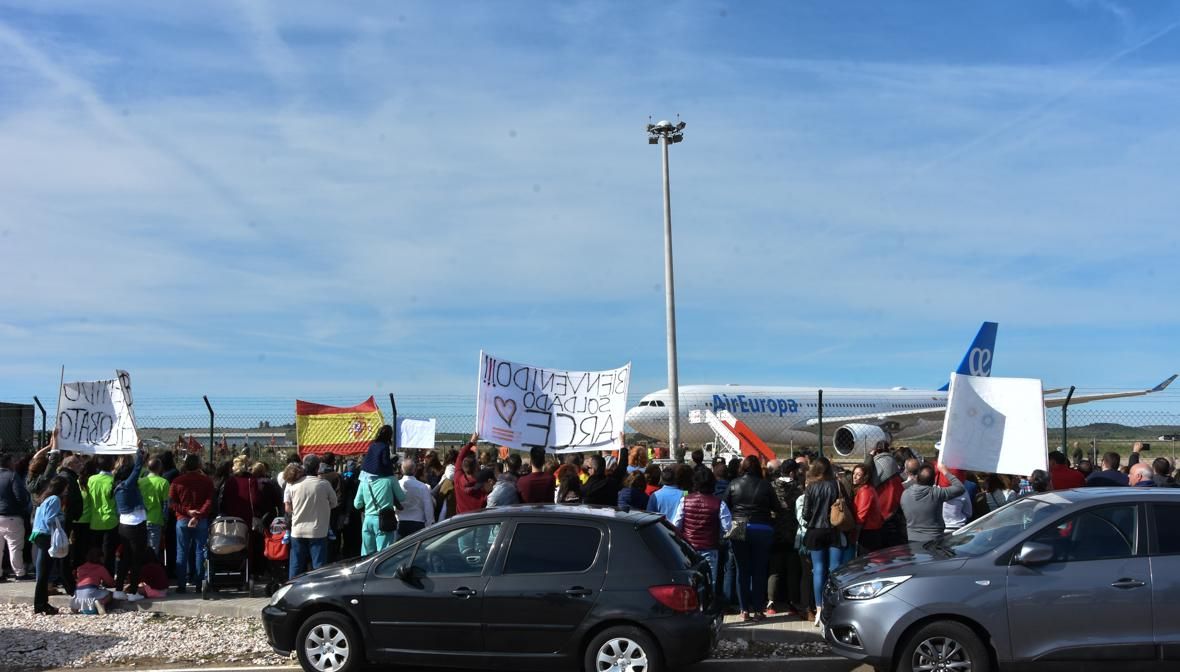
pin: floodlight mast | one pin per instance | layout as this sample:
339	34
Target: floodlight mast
665	133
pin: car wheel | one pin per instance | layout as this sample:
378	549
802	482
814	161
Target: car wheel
327	642
622	649
945	646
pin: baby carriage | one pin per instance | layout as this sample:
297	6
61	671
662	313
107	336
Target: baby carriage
277	553
227	563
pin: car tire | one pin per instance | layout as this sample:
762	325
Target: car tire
327	642
944	642
622	649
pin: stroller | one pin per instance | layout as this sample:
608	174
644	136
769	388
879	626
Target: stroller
277	553
227	562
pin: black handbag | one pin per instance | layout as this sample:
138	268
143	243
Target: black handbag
386	515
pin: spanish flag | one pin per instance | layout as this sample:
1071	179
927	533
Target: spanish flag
343	431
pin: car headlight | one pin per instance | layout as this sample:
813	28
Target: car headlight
867	590
280	593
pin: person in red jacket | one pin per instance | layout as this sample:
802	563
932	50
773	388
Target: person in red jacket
1061	475
869	518
191	497
470	494
703	518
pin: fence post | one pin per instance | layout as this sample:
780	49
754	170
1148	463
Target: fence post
1064	423
41	444
393	443
212	459
820	404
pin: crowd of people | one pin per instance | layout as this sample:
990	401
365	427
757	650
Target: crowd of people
104	528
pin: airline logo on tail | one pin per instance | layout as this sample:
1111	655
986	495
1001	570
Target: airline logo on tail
978	359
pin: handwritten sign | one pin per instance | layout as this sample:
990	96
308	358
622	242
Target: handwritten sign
96	417
995	425
523	406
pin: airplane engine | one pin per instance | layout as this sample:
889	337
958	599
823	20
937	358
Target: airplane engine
858	439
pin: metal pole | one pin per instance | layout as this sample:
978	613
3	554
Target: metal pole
1064	424
670	303
212	460
41	444
393	405
820	404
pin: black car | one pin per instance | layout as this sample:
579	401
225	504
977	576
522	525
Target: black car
524	588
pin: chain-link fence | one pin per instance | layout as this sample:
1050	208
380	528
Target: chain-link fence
266	425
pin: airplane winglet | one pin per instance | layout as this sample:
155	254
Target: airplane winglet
1164	385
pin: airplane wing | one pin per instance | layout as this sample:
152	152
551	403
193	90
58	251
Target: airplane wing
905	418
900	417
1083	398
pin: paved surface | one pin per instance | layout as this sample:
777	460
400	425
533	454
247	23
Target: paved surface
778	629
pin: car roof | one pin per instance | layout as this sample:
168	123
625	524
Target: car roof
583	511
1107	494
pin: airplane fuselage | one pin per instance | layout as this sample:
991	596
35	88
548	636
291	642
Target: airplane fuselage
780	415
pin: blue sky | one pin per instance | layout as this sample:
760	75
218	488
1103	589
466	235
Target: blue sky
333	200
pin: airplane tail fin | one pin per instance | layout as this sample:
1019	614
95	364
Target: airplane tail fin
978	360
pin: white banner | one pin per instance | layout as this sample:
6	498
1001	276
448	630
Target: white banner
412	433
96	417
995	425
522	406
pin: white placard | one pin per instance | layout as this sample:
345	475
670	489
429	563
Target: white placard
522	406
995	425
96	417
414	433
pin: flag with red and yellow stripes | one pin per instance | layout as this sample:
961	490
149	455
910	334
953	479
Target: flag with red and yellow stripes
343	431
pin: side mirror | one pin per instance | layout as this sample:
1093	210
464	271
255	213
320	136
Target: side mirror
1033	553
405	573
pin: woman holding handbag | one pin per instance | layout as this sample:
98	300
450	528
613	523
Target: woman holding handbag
752	502
823	540
48	520
378	498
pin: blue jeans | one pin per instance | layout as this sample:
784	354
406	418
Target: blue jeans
727	586
823	562
712	556
155	534
188	539
753	567
304	551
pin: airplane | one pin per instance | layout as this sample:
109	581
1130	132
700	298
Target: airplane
860	417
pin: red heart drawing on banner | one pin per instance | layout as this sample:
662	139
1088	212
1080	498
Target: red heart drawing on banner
506	409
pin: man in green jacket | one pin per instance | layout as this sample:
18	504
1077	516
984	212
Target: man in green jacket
154	489
104	517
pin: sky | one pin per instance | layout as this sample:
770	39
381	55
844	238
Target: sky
332	200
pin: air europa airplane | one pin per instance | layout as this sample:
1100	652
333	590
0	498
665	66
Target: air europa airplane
860	417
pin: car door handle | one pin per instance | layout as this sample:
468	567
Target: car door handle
463	592
1127	583
578	591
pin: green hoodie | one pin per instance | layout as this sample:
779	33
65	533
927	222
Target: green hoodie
154	490
103	514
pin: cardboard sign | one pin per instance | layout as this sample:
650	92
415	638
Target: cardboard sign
415	434
995	425
96	417
523	406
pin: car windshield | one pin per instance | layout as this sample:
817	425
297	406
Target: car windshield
1000	526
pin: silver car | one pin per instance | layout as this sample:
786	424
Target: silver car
1075	579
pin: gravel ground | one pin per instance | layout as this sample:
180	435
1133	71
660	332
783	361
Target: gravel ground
32	642
123	639
740	648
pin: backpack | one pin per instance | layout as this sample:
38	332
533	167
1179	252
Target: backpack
841	512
